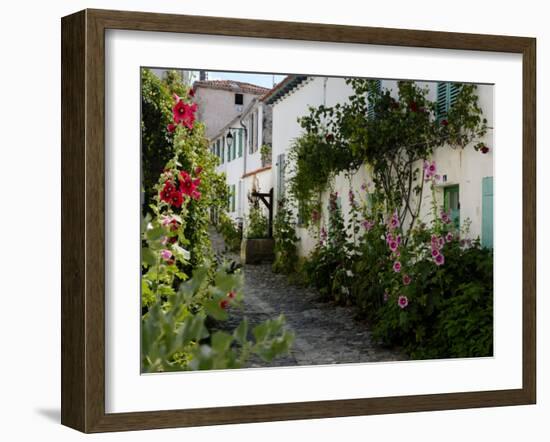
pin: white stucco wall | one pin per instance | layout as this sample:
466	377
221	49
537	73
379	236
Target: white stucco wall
216	107
465	167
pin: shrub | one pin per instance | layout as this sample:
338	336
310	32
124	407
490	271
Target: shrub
257	225
284	233
231	232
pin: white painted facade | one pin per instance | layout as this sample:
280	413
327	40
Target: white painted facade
466	168
242	163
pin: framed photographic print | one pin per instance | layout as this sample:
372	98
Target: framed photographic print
267	221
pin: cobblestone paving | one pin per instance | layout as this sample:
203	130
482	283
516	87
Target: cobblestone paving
325	333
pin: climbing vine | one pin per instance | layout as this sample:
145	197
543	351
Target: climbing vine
402	131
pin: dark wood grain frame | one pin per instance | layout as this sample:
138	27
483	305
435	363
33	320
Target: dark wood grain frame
83	220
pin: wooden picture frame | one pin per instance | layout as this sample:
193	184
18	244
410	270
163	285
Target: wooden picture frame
83	220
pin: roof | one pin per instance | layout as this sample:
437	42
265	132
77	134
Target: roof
231	85
283	88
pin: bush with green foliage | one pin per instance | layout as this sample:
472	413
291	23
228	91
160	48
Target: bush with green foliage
156	115
231	232
284	234
257	223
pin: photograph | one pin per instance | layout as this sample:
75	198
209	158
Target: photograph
299	220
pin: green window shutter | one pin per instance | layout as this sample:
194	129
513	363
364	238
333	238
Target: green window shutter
229	197
235	132
452	203
487	212
233	197
442	100
240	136
374	89
454	90
447	94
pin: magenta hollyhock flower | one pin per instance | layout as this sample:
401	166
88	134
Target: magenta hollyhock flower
435	252
363	186
393	245
398	239
431	168
439	259
165	254
402	301
396	266
406	279
449	237
389	238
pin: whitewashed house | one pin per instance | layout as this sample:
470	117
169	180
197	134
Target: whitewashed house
466	186
238	145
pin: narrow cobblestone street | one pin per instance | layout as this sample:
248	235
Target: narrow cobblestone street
325	333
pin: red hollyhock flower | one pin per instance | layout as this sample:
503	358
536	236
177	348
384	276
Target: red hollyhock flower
224	303
231	294
413	106
188	186
444	123
198	170
167	190
191	93
196	195
171	128
176	199
184	176
484	149
184	113
330	138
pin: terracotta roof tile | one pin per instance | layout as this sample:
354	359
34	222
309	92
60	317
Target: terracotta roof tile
230	85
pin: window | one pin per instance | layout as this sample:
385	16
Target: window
452	204
487	212
374	89
231	198
447	94
240	142
238	99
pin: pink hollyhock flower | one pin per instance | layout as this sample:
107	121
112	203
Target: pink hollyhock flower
445	217
176	97
435	253
439	259
393	245
432	168
363	186
196	195
449	237
406	279
402	301
389	238
396	266
165	254
398	239
368	225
